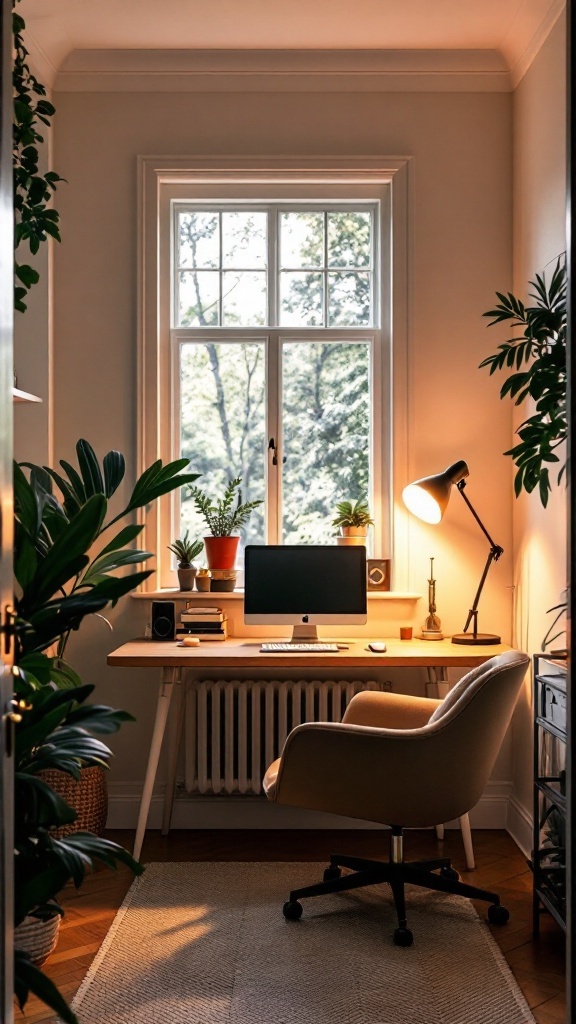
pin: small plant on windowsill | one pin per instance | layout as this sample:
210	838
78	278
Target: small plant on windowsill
185	551
224	519
353	519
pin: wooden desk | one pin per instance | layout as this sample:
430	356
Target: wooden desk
240	653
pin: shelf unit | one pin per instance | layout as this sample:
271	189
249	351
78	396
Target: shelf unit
549	844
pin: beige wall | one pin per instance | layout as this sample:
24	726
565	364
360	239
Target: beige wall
539	236
461	216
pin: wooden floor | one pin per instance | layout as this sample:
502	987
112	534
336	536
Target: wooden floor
537	965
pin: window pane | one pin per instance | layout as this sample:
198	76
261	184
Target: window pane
244	299
199	239
198	295
348	300
301	240
244	241
326	418
349	242
301	300
222	426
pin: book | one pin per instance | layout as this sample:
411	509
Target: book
203	634
208	610
202	627
193	616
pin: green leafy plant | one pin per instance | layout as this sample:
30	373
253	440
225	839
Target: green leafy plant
186	550
539	359
353	513
59	580
54	732
222	517
34	220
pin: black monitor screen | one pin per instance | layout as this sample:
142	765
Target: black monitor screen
291	579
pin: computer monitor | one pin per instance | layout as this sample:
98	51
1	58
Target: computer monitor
304	587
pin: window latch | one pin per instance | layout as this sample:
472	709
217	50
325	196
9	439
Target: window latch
272	445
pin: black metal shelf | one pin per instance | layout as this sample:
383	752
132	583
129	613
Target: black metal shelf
549	703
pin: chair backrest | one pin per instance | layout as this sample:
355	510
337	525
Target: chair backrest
470	725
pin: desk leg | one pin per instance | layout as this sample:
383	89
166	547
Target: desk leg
169	675
175	738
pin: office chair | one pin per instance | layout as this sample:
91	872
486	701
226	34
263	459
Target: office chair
391	761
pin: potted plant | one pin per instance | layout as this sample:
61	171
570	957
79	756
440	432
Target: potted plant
54	730
223	519
353	519
185	550
60	579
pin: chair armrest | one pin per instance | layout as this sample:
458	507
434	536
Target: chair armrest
391	776
389	710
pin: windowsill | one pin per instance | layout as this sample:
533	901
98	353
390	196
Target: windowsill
238	595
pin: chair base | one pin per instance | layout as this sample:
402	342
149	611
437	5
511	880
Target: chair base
397	873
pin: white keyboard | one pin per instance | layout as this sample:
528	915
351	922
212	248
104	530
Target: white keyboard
298	648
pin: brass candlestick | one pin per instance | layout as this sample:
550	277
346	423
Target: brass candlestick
432	628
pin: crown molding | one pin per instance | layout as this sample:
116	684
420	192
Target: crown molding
519	65
283	71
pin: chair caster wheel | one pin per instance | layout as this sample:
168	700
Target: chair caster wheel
450	874
498	914
403	937
332	873
292	910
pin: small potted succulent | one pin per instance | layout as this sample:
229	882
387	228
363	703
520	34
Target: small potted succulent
185	550
224	520
353	518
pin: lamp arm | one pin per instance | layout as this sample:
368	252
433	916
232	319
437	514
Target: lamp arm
493	556
496	547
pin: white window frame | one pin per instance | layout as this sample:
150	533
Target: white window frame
163	182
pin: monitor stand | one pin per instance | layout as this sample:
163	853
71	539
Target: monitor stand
302	634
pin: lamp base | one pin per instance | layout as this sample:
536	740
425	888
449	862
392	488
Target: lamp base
481	638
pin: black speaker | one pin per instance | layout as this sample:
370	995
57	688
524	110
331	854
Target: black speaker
163	620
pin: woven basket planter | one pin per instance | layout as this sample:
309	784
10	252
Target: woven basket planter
37	938
88	797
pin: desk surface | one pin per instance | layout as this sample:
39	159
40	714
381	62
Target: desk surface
240	652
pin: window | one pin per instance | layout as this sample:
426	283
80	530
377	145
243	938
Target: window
275	339
273	306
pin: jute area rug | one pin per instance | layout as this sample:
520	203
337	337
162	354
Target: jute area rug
206	943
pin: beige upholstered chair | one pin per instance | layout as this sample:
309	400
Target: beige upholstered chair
393	762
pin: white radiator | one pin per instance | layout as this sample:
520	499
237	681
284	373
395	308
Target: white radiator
236	728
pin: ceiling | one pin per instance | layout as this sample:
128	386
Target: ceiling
513	28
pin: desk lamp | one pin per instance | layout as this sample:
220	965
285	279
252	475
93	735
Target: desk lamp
428	499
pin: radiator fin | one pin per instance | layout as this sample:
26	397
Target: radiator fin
236	728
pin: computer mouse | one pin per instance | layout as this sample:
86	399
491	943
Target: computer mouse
378	646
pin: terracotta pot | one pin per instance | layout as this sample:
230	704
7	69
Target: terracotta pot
354	531
186	575
354	535
221	552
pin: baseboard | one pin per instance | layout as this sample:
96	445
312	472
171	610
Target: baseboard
520	826
253	812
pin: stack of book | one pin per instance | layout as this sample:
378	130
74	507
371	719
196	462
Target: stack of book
206	623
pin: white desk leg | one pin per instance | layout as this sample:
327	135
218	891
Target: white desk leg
175	737
467	840
169	675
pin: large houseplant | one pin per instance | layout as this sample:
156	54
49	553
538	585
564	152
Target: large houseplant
54	731
538	358
224	520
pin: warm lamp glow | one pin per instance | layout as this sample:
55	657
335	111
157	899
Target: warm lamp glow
421	504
